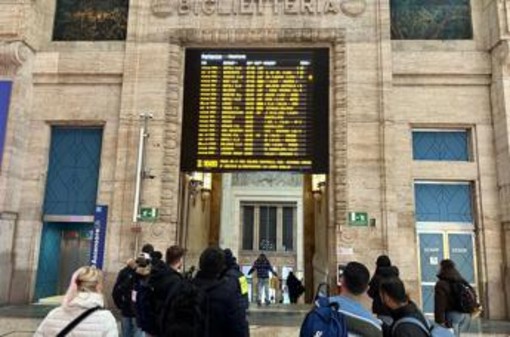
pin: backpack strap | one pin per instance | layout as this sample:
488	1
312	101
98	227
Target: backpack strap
414	321
77	321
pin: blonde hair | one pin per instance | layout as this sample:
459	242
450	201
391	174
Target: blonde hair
89	279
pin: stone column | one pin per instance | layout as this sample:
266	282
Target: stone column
16	60
500	91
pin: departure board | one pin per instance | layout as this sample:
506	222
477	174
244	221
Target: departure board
258	110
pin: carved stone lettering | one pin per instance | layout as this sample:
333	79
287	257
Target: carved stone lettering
290	7
162	8
309	6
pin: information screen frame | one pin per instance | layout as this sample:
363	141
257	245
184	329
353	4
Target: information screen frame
318	146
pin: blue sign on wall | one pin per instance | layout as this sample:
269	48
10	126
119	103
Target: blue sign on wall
98	236
5	98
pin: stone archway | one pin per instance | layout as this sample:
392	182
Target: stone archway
336	190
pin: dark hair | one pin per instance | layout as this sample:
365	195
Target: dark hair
383	261
156	255
147	248
447	264
212	262
230	259
174	254
356	277
394	288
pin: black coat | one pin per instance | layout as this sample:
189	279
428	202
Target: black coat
236	274
295	287
444	299
406	329
381	273
227	318
122	291
162	279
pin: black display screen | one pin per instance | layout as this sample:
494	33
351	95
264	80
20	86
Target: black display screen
256	110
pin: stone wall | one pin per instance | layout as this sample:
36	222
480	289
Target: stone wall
380	89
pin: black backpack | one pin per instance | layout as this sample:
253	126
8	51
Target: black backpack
122	290
465	297
145	312
186	310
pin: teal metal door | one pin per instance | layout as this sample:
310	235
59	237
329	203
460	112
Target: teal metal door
71	191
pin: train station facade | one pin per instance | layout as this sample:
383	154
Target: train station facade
93	109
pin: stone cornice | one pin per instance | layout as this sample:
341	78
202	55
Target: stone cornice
256	36
12	56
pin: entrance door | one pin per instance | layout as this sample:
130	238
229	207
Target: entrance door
74	253
434	247
431	253
445	231
69	204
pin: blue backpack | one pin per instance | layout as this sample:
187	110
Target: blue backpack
324	320
432	330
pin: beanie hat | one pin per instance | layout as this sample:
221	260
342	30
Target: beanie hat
230	259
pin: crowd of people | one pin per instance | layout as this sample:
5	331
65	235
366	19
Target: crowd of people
156	298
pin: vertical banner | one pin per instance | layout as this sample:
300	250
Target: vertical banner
98	236
5	97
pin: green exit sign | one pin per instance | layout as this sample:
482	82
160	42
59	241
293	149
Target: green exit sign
148	213
358	219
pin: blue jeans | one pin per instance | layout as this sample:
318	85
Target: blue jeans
460	321
263	284
129	328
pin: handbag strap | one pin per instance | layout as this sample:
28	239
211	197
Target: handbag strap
77	321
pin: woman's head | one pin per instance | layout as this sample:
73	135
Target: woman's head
89	279
393	292
447	264
85	279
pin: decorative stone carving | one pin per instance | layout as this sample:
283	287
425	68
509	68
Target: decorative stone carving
251	36
12	56
267	179
161	8
353	7
502	55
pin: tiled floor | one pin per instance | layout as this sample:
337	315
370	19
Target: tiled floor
274	321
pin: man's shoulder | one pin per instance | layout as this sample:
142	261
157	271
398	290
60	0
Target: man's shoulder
359	320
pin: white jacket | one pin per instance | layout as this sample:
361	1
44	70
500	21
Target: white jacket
100	323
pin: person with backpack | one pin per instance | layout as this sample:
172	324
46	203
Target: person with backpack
156	281
263	268
360	321
324	319
295	287
81	313
122	297
207	305
383	270
234	271
144	297
454	298
408	320
163	278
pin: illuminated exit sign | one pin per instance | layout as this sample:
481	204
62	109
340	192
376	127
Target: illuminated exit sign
358	219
